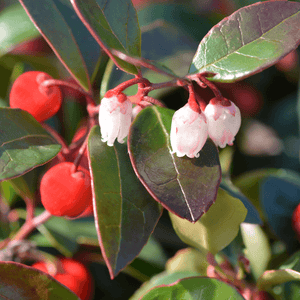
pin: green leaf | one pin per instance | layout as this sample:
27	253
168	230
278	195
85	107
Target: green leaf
252	215
162	278
16	27
274	277
195	288
184	186
289	271
125	213
72	43
258	250
115	23
18	282
24	143
249	41
188	260
217	228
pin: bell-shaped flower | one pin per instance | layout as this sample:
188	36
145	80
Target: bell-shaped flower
223	122
115	118
188	132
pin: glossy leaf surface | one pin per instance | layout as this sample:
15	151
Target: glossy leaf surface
72	43
18	282
184	186
249	41
217	228
115	23
194	288
24	143
125	213
16	28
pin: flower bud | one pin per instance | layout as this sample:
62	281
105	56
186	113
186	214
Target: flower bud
188	132
223	122
115	118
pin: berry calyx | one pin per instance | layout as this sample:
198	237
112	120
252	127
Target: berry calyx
73	275
28	93
65	192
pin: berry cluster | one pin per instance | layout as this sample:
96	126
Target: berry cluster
65	188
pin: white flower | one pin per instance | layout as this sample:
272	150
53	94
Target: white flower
223	123
188	132
114	119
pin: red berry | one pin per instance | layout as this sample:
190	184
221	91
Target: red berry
28	94
73	275
34	47
65	192
296	221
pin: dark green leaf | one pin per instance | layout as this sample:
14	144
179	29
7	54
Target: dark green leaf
20	282
16	27
24	143
249	41
194	288
115	23
217	228
68	37
125	213
184	186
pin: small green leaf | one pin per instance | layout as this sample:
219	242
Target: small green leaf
125	213
115	23
188	260
194	288
274	277
18	281
258	250
184	186
217	228
24	143
16	27
249	41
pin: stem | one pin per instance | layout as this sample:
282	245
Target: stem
192	99
141	62
30	225
57	137
80	154
214	89
124	85
57	82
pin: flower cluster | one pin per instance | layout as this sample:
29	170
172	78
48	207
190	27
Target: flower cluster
190	128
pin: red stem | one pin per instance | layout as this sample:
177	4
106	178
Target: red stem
57	82
141	62
192	99
30	225
57	137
